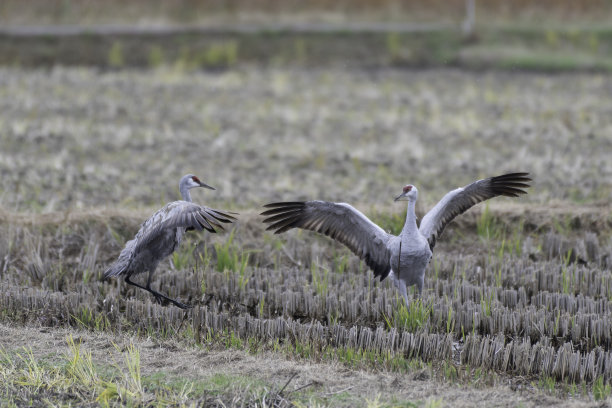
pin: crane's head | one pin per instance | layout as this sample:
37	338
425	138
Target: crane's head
409	193
190	181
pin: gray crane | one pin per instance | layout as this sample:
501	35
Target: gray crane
161	234
404	257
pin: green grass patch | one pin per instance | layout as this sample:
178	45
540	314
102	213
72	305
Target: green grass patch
231	257
601	390
74	378
487	226
410	318
390	222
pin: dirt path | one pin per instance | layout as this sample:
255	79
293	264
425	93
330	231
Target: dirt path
171	358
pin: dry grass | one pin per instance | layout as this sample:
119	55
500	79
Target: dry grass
521	290
79	138
524	312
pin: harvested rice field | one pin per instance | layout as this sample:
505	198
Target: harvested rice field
517	305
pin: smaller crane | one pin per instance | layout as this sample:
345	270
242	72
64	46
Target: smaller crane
161	234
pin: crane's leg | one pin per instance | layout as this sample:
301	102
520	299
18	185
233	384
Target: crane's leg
401	286
157	295
420	284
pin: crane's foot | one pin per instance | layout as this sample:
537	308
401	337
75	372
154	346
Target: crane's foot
162	300
181	305
159	299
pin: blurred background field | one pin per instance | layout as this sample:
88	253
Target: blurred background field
548	35
76	138
105	105
147	12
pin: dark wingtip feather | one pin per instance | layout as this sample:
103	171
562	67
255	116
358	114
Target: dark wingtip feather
215	224
520	184
225	214
280	225
208	228
221	219
279	230
284	204
509	191
281	216
277	211
511	184
512	177
523	174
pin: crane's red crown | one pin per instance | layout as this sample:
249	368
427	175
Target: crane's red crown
407	188
197	180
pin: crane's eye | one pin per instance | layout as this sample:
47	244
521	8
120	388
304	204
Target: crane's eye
407	189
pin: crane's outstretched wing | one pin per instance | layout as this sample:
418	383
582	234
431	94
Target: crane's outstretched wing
181	214
339	221
188	215
460	200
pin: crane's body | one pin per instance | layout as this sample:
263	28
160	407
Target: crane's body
408	262
161	234
410	254
404	257
151	244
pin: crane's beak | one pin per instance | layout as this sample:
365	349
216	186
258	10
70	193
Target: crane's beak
399	197
206	186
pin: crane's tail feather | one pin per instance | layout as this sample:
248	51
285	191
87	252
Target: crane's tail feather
114	270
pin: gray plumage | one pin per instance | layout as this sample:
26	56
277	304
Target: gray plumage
161	234
405	257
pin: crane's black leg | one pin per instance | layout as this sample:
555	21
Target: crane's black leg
148	287
157	295
420	284
129	282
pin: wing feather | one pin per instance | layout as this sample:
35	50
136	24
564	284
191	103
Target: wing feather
202	222
224	217
184	214
460	200
339	221
181	214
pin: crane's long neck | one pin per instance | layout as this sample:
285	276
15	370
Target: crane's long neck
185	192
410	227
